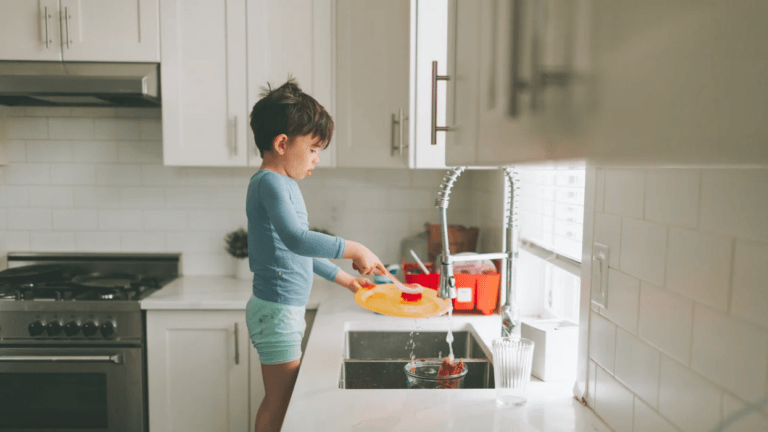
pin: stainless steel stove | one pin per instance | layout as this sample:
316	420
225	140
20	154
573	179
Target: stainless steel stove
72	339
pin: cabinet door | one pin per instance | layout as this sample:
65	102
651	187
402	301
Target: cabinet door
203	74
372	81
463	70
429	42
29	30
197	365
116	30
305	52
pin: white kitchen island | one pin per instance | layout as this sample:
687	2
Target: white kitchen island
318	404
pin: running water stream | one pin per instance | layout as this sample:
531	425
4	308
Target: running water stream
449	337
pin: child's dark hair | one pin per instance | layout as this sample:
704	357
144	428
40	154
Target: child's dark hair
288	110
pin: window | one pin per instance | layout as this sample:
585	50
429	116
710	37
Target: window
551	217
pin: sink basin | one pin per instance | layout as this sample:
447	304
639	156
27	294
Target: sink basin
375	359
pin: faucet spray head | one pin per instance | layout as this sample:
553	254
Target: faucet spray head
447	288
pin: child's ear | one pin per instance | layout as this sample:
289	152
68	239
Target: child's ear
280	144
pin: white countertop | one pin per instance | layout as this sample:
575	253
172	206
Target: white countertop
318	404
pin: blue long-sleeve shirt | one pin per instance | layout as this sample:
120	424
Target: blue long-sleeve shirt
282	251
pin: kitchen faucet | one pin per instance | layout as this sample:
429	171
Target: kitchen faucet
447	287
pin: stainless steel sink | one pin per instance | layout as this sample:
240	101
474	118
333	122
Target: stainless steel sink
375	359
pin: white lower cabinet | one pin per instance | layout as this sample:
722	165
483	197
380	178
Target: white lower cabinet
202	373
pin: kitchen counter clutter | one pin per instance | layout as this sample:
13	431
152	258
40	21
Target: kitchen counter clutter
319	404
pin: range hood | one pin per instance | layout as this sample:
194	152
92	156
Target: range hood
79	84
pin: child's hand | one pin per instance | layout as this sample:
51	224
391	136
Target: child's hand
363	260
358	283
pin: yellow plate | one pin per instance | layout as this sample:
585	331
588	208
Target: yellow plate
385	299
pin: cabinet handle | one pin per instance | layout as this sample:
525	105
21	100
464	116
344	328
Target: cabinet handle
47	39
234	135
435	79
237	347
66	24
399	120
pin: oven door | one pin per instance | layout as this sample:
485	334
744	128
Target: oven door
68	389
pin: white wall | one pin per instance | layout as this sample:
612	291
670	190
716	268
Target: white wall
92	180
683	341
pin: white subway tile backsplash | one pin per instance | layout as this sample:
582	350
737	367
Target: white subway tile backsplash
42	111
92	112
97	197
49	151
142	197
389	177
28	174
623	300
53	241
119	175
186	242
140	152
666	320
729	353
115	129
637	366
170	220
600	191
137	113
643	250
624	193
73	174
206	264
209	220
228	198
65	128
75	220
158	175
120	220
687	400
151	129
94	151
613	402
648	420
190	197
103	241
50	196
26	128
602	342
735	202
608	232
29	219
16	150
17	241
3	219
752	421
699	266
749	298
143	242
672	197
14	196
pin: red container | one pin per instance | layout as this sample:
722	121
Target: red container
474	292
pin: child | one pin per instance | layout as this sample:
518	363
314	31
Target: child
290	128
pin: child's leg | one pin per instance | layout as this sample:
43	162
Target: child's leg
279	380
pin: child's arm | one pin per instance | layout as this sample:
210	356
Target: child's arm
296	238
328	271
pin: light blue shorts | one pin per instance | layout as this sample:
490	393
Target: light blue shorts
276	330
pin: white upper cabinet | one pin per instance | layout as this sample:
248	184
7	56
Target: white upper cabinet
110	31
80	30
607	81
29	30
203	72
372	83
296	38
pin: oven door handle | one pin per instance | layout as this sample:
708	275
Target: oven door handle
117	359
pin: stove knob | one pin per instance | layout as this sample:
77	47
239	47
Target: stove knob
72	328
36	328
89	329
53	328
107	329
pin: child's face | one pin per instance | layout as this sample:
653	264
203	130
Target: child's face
301	155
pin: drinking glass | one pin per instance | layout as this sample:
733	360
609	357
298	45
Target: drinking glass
512	359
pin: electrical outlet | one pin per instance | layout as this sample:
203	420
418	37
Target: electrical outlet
600	256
